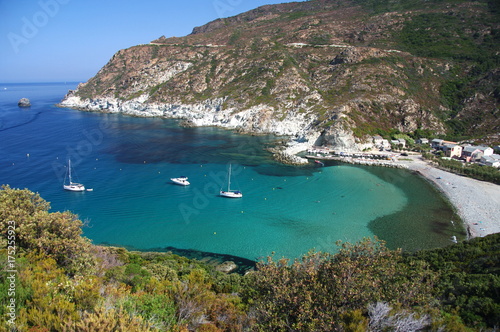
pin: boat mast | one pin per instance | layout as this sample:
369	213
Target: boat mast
69	171
229	180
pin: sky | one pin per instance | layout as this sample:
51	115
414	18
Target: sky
70	40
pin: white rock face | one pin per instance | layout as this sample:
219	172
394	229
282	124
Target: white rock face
257	119
264	119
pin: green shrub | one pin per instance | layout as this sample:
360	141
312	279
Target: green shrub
57	235
319	39
158	309
321	291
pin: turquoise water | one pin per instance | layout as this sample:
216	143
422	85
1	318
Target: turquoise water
128	162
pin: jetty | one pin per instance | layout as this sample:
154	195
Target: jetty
357	158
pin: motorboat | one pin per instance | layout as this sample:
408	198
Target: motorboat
182	181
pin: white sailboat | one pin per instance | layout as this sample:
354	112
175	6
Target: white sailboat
230	193
72	186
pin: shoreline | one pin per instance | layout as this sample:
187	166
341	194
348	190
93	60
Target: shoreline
476	202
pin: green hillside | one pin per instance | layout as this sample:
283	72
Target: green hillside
377	65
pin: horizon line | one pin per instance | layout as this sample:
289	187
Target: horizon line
45	82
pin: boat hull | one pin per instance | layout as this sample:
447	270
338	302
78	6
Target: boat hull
231	194
180	181
74	187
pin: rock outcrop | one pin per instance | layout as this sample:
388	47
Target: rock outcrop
210	112
24	102
226	267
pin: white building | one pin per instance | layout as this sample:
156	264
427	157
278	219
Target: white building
491	160
380	142
452	150
422	141
487	151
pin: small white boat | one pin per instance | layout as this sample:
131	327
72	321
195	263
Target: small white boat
183	181
72	186
230	193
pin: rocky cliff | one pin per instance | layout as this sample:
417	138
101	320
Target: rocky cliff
323	72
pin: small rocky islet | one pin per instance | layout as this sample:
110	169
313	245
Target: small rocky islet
24	102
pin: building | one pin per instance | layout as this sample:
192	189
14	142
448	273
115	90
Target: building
491	160
452	150
399	142
377	139
422	141
472	153
436	143
380	142
486	150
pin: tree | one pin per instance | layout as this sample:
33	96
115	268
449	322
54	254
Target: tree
57	235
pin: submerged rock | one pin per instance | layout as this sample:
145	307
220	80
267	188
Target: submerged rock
24	102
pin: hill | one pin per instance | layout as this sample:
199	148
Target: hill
326	72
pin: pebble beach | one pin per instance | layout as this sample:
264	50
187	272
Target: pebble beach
476	202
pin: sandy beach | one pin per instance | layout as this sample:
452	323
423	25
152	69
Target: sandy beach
477	202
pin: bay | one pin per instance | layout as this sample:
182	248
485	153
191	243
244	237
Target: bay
128	163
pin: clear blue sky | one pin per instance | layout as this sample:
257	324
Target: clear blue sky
70	40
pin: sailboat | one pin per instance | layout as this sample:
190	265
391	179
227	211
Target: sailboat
230	193
72	186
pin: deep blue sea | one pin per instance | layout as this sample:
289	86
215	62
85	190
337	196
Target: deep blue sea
128	162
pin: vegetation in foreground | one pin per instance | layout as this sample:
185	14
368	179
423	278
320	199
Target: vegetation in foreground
64	283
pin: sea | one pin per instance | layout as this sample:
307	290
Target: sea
285	211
